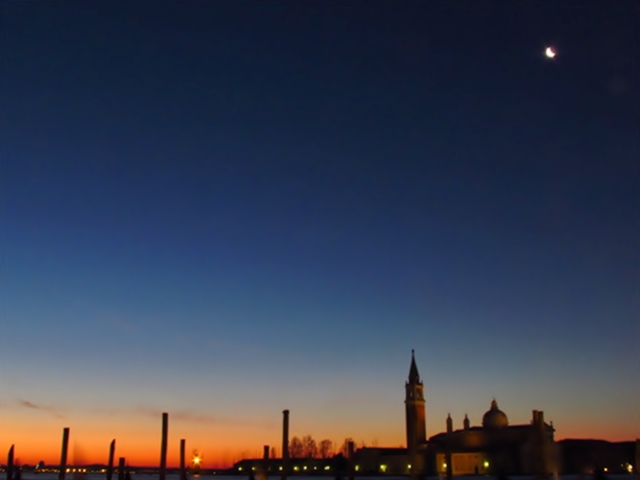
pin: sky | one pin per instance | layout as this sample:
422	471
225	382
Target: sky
224	209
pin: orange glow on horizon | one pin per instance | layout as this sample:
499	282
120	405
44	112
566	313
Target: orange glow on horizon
138	438
146	451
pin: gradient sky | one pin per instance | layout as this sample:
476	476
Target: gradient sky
225	209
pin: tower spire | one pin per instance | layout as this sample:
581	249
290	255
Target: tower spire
414	376
415	417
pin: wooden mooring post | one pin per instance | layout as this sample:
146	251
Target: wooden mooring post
183	468
285	444
10	463
112	452
63	454
121	467
265	462
163	446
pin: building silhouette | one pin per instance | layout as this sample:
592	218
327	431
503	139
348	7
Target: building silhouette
495	447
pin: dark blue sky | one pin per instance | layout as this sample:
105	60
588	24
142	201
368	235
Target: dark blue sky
315	188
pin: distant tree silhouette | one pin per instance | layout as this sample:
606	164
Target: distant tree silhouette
325	448
344	449
310	449
296	448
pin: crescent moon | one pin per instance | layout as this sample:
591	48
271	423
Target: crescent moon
549	52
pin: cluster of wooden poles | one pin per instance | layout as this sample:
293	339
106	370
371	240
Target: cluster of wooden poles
112	450
163	454
121	469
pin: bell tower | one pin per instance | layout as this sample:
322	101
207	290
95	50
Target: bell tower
414	408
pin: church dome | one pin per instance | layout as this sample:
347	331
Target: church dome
495	418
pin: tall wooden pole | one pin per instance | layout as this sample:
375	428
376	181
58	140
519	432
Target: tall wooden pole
637	465
183	468
163	446
285	444
10	464
265	461
63	454
121	467
448	460
112	452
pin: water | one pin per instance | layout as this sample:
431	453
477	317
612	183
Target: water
150	476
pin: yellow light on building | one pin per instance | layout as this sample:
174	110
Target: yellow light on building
357	467
327	467
486	464
383	468
280	468
304	468
629	468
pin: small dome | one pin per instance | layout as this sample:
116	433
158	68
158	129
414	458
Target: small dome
495	418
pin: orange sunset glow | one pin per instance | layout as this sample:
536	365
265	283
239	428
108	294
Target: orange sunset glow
138	439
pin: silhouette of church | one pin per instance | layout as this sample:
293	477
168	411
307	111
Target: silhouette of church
495	447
